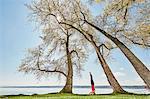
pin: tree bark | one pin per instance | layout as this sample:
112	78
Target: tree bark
140	68
110	77
69	79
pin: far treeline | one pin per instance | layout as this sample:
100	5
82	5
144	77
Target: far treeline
70	30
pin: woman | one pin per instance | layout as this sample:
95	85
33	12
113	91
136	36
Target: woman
92	85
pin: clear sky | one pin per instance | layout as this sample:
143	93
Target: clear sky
18	34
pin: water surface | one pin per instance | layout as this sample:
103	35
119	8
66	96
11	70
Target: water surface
29	90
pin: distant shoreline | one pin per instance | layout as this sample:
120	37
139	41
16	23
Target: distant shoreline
76	86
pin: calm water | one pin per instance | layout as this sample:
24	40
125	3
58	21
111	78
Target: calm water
29	90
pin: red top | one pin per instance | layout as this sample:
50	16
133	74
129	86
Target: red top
93	88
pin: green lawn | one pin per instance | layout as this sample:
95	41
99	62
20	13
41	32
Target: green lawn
74	96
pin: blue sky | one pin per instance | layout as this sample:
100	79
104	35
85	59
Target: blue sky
17	34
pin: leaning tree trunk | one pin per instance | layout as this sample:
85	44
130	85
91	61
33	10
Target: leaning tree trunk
68	86
110	77
140	68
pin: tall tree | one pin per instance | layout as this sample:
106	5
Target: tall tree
60	51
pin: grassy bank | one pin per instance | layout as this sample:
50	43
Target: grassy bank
75	96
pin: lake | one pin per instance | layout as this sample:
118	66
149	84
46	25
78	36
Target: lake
29	90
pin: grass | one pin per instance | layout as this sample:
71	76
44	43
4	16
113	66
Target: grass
77	96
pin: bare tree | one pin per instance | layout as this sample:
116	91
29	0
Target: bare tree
60	50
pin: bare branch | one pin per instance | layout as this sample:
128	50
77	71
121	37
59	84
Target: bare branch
38	65
74	51
75	29
52	71
137	43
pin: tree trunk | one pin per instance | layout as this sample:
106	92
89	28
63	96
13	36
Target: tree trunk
110	77
140	68
68	86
